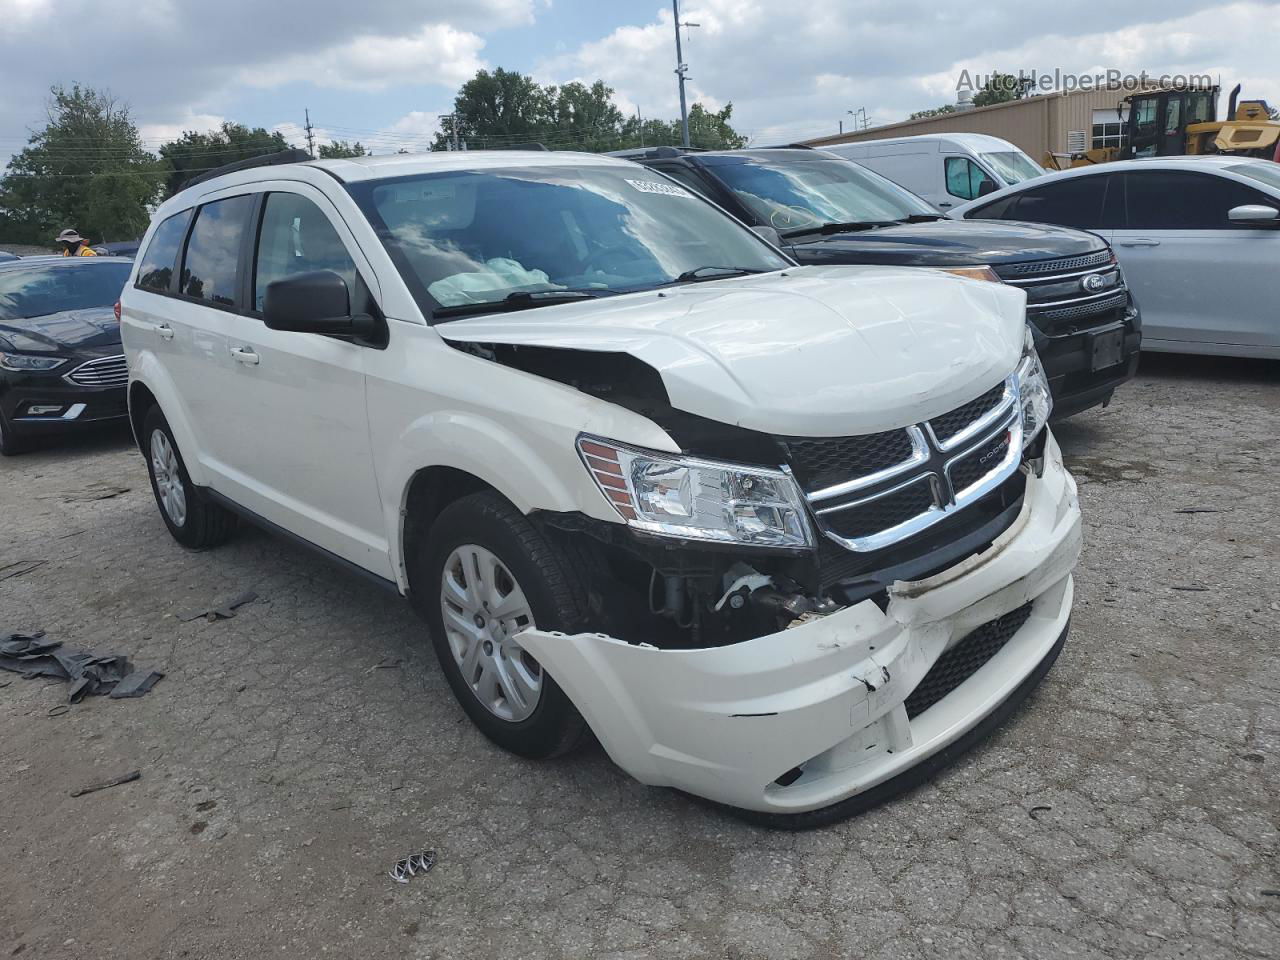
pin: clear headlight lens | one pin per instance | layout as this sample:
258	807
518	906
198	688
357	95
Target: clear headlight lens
23	363
974	273
1033	392
675	496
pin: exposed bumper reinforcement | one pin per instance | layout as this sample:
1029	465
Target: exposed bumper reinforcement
732	724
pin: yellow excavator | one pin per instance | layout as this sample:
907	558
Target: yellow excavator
1175	123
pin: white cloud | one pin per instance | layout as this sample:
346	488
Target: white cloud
153	134
435	53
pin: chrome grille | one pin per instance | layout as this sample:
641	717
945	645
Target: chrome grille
1040	267
951	461
103	372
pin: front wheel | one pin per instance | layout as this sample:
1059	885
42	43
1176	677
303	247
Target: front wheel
192	518
485	574
10	445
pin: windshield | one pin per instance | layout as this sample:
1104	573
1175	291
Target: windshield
37	291
792	194
1012	166
482	236
1268	173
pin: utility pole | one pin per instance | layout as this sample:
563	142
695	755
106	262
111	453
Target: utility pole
311	139
640	125
681	70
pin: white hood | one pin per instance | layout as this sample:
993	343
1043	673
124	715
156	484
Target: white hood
812	351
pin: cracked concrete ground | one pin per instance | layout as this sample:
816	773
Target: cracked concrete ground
293	753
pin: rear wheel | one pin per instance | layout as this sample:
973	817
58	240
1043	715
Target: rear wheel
192	518
484	575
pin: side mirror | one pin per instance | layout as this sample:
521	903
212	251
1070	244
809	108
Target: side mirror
315	302
986	187
1254	214
768	234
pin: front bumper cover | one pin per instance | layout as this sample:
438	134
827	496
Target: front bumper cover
725	723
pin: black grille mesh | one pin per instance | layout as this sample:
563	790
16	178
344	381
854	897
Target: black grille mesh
824	462
965	659
1044	267
1102	309
949	424
882	513
976	465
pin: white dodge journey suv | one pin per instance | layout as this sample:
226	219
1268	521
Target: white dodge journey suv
788	538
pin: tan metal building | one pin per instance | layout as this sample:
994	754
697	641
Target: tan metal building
1050	123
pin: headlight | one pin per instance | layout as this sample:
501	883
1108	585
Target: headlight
1033	391
974	273
26	364
675	496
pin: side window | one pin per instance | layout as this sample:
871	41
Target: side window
1075	202
999	210
297	237
156	269
209	268
1175	200
965	178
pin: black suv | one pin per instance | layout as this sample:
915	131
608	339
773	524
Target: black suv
827	209
61	363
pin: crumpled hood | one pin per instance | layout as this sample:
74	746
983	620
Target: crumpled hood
811	351
64	331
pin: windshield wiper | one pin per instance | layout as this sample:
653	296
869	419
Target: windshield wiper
846	227
698	274
921	218
520	300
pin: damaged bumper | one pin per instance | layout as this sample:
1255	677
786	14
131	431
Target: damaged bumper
822	712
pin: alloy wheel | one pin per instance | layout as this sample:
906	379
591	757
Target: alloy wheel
164	466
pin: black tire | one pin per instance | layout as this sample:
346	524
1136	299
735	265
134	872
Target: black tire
10	444
205	524
552	584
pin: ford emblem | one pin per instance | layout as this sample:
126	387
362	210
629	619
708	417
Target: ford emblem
1094	282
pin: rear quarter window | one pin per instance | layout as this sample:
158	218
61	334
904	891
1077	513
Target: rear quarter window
156	269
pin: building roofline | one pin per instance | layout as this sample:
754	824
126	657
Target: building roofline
887	131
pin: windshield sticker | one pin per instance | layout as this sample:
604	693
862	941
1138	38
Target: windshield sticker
666	189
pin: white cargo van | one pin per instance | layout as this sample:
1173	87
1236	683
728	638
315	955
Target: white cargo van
947	169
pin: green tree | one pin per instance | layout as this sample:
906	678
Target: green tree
933	112
339	149
505	108
86	169
195	153
999	88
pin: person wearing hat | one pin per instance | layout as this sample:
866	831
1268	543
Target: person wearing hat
74	245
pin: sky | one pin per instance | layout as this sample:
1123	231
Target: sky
383	71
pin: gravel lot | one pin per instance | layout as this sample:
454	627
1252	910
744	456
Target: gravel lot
1130	809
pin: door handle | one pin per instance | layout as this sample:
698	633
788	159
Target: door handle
944	205
165	331
1138	242
245	355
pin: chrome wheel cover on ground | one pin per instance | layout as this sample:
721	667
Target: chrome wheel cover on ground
483	609
164	465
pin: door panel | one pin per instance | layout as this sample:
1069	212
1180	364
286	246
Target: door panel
303	459
1195	276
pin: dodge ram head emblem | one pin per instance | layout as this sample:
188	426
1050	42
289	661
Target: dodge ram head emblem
1094	282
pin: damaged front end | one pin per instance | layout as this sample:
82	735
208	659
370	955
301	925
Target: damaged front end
781	623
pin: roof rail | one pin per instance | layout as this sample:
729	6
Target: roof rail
654	153
292	155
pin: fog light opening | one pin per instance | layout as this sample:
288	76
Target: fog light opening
45	409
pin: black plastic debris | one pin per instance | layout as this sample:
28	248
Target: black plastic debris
89	673
220	611
108	784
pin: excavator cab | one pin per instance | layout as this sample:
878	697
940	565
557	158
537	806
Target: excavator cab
1158	121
